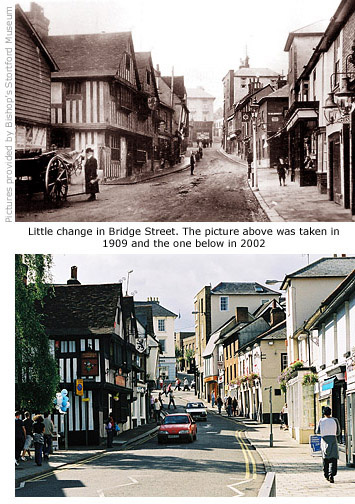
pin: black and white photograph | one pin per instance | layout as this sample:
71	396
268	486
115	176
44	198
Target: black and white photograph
190	112
184	376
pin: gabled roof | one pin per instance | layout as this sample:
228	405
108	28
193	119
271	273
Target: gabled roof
198	92
37	39
93	53
324	267
276	332
144	61
179	85
243	288
81	309
255	72
247	97
157	309
313	29
266	306
144	315
279	94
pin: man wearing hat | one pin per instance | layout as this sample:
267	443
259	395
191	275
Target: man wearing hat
91	178
329	429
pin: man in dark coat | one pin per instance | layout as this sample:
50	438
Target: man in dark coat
91	178
192	163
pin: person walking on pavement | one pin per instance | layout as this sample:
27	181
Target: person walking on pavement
171	399
284	412
200	151
329	429
229	406
156	410
110	429
281	171
219	404
249	161
177	384
47	436
234	406
186	385
160	399
29	436
213	398
165	391
192	163
91	178
38	440
20	436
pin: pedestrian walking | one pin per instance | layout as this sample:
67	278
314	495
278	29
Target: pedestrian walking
284	412
229	406
160	399
28	422
161	382
234	406
171	399
91	177
192	163
200	151
165	391
151	406
249	161
213	398
329	429
47	436
177	384
38	440
281	171
20	436
219	404
186	385
110	430
156	410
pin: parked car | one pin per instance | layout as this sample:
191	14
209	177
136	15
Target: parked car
178	426
197	410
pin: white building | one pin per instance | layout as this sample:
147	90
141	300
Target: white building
164	330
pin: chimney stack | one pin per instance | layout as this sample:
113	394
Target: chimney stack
277	315
38	19
241	314
73	280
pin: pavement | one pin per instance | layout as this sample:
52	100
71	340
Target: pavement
60	458
298	473
292	203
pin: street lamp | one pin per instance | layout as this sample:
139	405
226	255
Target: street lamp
270	403
128	273
254	107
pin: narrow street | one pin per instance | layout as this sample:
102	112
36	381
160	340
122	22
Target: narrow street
220	463
218	191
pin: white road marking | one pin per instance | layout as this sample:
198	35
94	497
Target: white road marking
238	492
133	482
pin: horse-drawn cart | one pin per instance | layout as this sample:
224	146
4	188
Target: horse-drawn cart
47	172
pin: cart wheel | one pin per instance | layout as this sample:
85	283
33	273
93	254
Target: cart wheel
56	181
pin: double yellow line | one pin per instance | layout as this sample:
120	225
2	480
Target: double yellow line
250	467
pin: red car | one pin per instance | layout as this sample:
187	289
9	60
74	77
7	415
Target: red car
178	426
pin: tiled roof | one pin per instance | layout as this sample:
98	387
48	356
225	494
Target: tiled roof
283	92
324	267
95	52
81	309
317	28
157	309
241	288
179	85
144	316
198	93
277	332
255	72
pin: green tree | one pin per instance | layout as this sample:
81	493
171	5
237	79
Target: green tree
189	355
36	372
178	353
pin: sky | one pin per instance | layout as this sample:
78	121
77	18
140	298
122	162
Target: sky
202	39
176	279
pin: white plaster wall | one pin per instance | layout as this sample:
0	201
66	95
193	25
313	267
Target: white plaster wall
167	335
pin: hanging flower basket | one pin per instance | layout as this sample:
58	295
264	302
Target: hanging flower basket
309	379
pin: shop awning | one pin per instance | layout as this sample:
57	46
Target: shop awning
328	384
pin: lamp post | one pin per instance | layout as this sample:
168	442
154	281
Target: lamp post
254	107
128	273
270	404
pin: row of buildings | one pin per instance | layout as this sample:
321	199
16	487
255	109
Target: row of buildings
307	117
75	91
118	347
252	343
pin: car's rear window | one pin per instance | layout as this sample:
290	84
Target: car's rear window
195	405
176	419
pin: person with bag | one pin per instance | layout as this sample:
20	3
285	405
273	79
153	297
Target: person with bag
171	399
110	430
329	429
38	439
91	176
20	435
28	422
